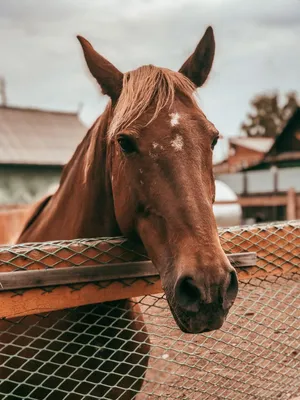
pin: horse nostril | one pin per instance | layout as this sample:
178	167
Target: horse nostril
231	291
188	295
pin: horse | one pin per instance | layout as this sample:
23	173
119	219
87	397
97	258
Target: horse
144	170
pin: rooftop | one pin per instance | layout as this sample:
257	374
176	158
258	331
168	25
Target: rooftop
38	137
260	144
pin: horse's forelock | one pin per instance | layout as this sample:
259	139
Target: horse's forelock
140	88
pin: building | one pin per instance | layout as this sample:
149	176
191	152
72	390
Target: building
285	151
34	147
244	152
269	189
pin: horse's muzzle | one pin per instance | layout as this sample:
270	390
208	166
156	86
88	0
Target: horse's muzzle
198	307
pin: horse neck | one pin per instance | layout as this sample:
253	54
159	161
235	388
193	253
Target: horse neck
89	186
83	204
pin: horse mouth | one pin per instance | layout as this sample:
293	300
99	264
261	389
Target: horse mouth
198	323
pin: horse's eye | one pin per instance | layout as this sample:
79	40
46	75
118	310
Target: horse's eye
214	142
127	144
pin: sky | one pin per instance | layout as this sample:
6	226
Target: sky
257	50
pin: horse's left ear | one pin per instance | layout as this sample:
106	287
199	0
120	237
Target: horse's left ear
107	75
198	65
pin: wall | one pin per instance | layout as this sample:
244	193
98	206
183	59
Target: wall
262	181
26	184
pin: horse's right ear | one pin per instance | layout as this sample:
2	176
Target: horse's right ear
108	76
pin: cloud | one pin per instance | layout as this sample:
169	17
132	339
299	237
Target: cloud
257	49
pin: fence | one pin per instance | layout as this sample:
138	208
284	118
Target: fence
59	354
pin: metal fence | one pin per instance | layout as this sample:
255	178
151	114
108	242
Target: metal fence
69	354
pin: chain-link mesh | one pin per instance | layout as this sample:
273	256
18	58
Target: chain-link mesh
101	351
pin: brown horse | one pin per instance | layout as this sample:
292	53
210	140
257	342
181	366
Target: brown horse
144	170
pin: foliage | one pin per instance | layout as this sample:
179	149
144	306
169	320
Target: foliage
269	116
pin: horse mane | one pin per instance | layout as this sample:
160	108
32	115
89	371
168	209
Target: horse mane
143	87
33	213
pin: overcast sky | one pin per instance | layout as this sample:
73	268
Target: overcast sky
257	49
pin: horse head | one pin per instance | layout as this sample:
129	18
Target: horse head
159	147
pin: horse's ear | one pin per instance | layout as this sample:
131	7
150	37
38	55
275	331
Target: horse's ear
107	75
198	65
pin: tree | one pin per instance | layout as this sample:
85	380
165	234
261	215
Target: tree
269	117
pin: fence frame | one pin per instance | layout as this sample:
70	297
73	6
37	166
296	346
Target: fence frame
139	279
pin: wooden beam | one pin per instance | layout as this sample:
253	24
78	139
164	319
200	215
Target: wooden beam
36	301
99	273
254	201
258	201
291	207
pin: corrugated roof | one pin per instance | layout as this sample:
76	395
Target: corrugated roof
262	145
38	137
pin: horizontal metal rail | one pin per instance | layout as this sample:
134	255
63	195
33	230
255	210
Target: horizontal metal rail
95	273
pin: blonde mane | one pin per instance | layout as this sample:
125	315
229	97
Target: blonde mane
143	87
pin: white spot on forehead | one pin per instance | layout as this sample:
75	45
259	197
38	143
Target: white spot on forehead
141	171
156	145
174	119
153	155
112	178
177	143
141	182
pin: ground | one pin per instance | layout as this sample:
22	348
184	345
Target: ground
256	354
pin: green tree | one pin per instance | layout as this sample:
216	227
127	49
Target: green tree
269	116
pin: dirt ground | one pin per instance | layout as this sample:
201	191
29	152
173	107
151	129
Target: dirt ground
256	354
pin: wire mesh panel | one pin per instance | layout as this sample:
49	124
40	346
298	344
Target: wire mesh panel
255	355
77	353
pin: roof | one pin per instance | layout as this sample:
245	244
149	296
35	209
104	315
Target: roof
38	137
288	140
259	144
285	150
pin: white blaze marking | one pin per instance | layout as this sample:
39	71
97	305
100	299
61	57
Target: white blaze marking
156	145
141	171
177	143
174	119
152	155
141	182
